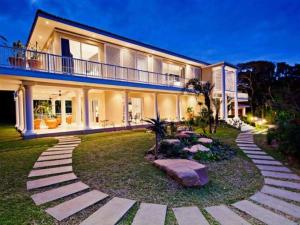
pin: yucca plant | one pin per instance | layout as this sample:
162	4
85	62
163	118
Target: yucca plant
158	127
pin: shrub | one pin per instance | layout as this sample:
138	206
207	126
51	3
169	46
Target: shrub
271	135
172	150
289	140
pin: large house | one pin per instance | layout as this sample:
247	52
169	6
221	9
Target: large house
77	78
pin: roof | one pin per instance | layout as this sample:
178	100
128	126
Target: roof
41	13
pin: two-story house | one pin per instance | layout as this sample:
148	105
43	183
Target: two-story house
83	79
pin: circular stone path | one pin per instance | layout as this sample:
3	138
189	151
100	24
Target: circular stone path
52	178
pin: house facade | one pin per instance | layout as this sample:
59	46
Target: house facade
77	78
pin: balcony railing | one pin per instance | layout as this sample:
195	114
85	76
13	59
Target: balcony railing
243	96
41	61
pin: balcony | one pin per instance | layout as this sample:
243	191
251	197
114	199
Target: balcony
44	62
242	97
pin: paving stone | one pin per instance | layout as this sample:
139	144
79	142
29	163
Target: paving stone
244	142
69	143
54	157
57	152
70	207
110	213
282	183
225	216
281	193
262	214
277	204
44	182
50	171
247	145
255	152
65	145
189	216
289	176
150	214
274	168
59	149
59	162
267	162
57	193
250	148
266	157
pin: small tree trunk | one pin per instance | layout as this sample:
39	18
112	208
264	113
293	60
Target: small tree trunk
156	146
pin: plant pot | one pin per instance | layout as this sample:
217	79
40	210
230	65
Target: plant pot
17	61
34	63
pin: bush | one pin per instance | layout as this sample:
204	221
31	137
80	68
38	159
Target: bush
271	135
289	140
172	150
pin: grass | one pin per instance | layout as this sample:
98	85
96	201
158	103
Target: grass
17	157
115	164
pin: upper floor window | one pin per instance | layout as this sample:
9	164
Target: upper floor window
84	51
172	69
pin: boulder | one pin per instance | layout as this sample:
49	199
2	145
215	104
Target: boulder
196	148
171	141
205	140
186	172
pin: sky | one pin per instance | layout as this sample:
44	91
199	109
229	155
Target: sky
211	31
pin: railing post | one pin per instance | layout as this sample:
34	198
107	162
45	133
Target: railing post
86	69
48	62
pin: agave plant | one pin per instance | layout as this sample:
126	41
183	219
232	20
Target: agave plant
158	126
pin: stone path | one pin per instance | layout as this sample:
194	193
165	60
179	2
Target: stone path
277	203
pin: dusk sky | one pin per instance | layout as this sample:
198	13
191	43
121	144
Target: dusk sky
212	31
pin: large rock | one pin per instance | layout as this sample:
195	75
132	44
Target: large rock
196	148
205	140
171	141
186	172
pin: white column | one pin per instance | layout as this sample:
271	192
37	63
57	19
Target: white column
28	110
236	103
78	110
17	109
155	105
53	106
224	97
21	110
126	108
178	107
86	108
63	111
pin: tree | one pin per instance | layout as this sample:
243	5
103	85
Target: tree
205	89
217	105
158	126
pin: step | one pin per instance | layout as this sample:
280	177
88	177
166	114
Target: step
225	216
255	152
54	157
75	205
250	148
266	162
262	214
282	183
111	213
248	145
68	143
44	182
274	168
289	176
57	193
189	216
59	149
57	152
59	162
293	196
277	204
50	171
150	214
65	145
265	157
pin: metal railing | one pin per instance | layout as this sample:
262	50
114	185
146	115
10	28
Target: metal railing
41	61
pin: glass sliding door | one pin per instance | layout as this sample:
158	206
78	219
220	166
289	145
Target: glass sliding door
135	110
142	66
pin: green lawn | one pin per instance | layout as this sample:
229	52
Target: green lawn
114	163
16	160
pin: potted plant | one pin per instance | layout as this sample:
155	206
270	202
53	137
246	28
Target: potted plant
33	61
18	55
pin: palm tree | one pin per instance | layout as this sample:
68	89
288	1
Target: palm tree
158	126
201	88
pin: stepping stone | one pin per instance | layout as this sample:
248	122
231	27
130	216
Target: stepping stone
44	182
262	214
50	171
277	204
225	216
267	162
150	214
282	183
69	143
57	193
289	176
70	207
247	145
255	152
274	168
189	216
260	157
57	152
281	193
53	157
56	149
110	213
244	142
59	162
65	145
250	148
